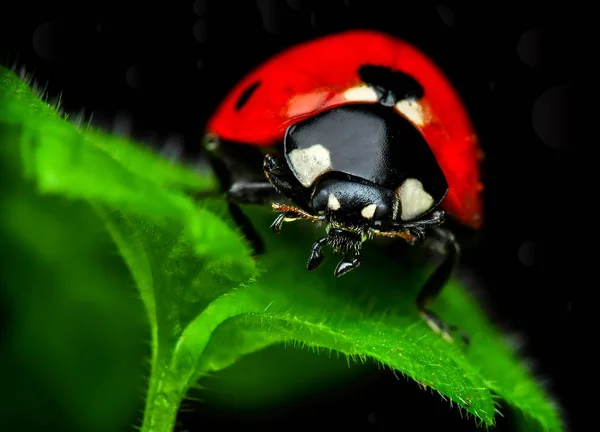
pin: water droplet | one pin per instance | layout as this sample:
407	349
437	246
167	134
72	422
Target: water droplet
268	12
200	7
447	15
372	418
529	47
527	253
201	30
49	40
133	76
553	116
297	4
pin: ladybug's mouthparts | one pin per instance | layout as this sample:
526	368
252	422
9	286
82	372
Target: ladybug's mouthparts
347	242
344	240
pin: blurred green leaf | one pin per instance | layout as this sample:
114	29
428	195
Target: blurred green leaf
76	332
209	303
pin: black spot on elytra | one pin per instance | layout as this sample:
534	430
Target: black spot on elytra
386	80
246	94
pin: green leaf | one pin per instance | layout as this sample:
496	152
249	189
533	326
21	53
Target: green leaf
209	302
74	342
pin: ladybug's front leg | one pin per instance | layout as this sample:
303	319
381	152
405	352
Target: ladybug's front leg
412	231
436	282
418	228
235	166
249	192
254	191
245	226
284	182
265	191
277	181
244	193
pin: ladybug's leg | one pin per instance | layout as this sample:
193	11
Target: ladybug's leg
262	192
235	166
436	282
417	228
280	182
414	230
275	182
284	181
248	193
287	185
240	219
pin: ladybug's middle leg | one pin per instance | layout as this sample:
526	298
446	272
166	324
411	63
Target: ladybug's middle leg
237	168
280	182
414	230
436	282
247	193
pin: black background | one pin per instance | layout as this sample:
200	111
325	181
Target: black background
159	69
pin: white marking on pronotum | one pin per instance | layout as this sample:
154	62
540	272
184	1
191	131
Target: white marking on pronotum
310	163
413	198
412	110
368	211
361	94
333	203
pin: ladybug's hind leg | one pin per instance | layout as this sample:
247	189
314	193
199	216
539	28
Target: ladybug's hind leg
436	282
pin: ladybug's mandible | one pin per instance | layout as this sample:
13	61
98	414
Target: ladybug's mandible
358	130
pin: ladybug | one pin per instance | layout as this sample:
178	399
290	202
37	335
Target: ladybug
360	131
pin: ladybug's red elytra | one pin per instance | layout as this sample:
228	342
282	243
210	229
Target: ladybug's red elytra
358	130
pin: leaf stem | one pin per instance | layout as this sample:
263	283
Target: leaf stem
162	402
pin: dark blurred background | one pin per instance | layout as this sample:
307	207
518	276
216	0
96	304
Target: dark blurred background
157	70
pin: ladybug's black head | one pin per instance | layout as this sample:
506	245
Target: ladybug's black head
351	207
347	201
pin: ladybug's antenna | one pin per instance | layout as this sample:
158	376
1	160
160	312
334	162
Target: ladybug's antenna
288	214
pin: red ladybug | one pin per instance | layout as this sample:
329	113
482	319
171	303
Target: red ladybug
361	131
